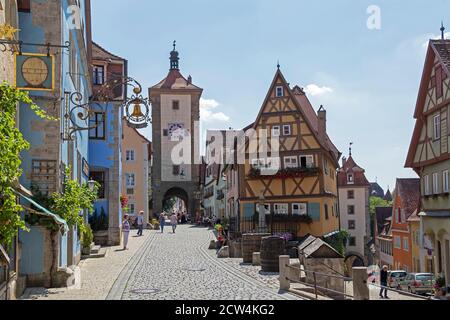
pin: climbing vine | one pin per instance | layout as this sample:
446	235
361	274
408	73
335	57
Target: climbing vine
12	143
73	200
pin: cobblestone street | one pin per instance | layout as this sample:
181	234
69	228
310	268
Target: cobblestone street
179	266
165	267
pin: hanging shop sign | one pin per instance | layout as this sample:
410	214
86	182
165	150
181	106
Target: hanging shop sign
34	72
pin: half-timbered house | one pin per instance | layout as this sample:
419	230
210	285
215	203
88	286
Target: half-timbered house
294	174
429	156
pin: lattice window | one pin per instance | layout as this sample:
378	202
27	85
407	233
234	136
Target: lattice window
44	175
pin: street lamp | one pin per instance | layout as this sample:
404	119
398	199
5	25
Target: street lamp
91	184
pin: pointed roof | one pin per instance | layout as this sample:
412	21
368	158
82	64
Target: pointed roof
175	81
100	53
302	103
441	50
409	192
388	196
376	190
359	178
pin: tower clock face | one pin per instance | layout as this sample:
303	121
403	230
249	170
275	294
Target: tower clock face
35	71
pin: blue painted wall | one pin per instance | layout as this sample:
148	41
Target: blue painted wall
32	258
101	153
30	32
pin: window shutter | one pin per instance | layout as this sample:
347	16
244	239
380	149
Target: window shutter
314	211
249	210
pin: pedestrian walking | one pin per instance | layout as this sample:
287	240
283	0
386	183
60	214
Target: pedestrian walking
125	231
384	282
174	221
162	221
140	223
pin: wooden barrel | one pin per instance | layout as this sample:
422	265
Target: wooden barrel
271	249
251	242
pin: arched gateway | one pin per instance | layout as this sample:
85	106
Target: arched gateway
176	116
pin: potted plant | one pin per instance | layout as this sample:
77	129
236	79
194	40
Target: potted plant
88	237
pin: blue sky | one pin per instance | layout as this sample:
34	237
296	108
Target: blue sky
366	79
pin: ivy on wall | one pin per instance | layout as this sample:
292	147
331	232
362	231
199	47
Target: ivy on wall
12	143
73	200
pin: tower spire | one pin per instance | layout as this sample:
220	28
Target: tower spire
174	57
442	30
350	149
278	64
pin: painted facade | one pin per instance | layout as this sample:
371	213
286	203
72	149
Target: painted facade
215	184
416	250
43	164
354	209
105	144
406	201
175	130
135	164
429	156
299	183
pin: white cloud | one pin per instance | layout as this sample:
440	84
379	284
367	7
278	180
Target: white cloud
207	114
434	37
315	90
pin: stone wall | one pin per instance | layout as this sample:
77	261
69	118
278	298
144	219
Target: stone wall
329	267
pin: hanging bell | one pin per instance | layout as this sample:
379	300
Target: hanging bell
137	112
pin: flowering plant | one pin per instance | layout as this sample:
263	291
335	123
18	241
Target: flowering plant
123	201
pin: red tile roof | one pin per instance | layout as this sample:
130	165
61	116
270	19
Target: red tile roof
359	177
409	192
175	80
313	120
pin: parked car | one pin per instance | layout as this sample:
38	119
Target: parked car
395	277
418	283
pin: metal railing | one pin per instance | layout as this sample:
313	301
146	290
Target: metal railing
402	292
316	286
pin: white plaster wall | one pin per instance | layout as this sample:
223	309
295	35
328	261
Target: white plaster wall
360	203
183	115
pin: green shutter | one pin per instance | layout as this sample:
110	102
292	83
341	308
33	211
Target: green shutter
314	211
249	210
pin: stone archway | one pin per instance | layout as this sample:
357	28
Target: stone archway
353	260
175	192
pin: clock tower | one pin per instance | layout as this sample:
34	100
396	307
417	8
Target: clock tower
175	127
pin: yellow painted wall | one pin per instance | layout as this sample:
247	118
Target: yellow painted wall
133	141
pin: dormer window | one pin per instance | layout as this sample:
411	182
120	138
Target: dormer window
350	178
279	92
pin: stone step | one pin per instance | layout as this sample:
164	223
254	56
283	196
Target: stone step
95	249
100	254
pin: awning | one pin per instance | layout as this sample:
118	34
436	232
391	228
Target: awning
45	212
435	214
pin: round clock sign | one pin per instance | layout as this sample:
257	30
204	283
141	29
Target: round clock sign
35	71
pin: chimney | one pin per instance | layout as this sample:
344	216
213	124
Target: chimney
189	80
344	160
322	115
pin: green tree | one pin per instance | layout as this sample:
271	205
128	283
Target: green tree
12	143
375	202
